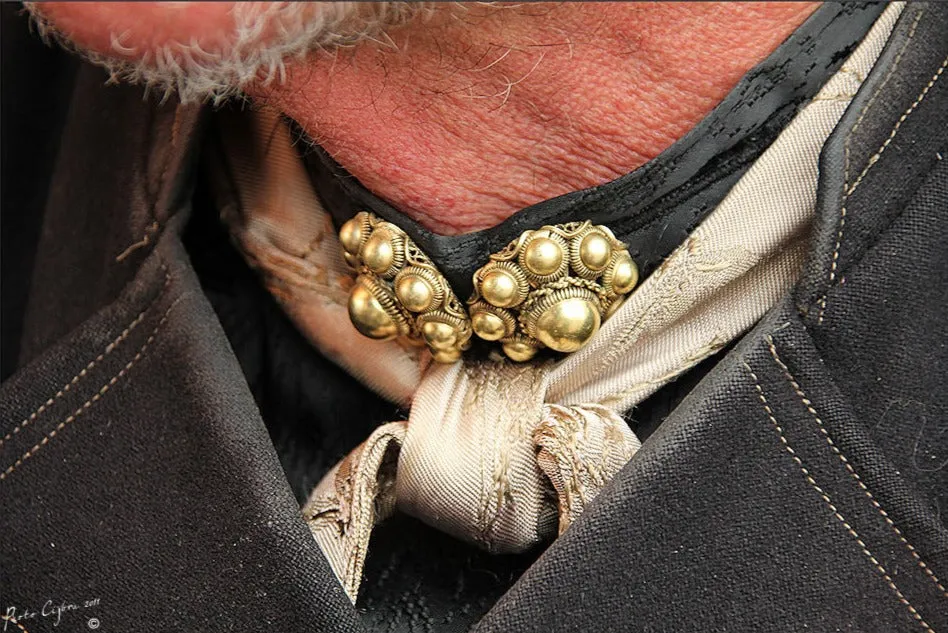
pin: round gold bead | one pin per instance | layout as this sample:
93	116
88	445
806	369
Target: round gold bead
490	322
489	326
378	253
501	287
567	325
542	256
595	251
440	336
353	233
418	289
623	274
371	314
414	292
519	350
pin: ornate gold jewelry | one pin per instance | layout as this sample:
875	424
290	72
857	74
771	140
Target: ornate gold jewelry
399	292
552	287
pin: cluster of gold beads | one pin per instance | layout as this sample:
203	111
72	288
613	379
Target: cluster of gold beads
399	292
551	288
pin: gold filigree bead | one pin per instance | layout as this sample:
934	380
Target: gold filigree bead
373	311
568	325
384	251
446	356
418	289
491	323
590	252
503	284
565	319
352	260
399	292
444	332
439	336
543	256
622	274
354	232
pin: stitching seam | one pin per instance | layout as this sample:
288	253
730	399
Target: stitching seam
898	125
847	190
95	398
852	471
85	370
846	160
829	503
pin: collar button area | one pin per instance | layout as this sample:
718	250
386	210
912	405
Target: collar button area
551	288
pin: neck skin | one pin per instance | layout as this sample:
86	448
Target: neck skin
474	112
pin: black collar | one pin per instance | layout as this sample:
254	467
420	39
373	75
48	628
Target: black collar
654	207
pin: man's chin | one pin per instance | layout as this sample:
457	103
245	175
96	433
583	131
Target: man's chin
207	50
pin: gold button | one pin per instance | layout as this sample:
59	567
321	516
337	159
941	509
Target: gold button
399	292
573	277
550	288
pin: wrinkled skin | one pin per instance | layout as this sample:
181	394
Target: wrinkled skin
468	113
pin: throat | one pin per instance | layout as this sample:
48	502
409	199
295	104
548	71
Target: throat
472	112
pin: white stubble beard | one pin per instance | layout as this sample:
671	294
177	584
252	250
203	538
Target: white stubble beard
196	74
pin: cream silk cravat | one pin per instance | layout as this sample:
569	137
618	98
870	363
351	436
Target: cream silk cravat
506	456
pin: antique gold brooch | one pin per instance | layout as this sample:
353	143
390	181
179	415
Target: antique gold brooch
399	292
550	288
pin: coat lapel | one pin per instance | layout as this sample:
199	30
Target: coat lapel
744	511
147	480
138	482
